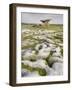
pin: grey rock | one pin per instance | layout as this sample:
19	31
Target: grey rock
58	67
50	71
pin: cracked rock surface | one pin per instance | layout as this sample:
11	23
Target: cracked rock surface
41	52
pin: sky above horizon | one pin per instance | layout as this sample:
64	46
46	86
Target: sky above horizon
34	18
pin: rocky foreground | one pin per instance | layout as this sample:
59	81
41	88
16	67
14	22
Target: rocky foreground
42	52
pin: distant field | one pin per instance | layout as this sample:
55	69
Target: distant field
38	26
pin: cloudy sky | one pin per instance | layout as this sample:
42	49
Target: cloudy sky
36	17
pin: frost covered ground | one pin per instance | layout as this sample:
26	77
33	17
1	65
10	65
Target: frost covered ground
41	51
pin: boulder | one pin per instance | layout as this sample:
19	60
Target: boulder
58	67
